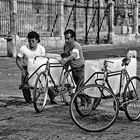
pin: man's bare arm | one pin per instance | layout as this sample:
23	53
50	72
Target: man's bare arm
19	63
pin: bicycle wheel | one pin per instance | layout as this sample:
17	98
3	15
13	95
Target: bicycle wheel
40	92
131	98
84	98
94	117
67	88
84	104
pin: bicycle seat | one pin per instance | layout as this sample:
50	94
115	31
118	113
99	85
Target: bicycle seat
126	61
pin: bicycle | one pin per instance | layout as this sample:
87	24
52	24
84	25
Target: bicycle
102	105
65	85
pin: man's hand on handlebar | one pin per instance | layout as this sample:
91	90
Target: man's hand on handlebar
49	57
63	61
64	55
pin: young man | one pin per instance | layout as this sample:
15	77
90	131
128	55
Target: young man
74	56
31	50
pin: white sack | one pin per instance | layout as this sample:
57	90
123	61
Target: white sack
33	65
92	66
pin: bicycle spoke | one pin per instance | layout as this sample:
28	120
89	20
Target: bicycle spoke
40	92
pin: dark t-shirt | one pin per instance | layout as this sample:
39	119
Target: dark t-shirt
75	47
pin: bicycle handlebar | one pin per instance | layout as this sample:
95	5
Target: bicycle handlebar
105	64
48	57
125	62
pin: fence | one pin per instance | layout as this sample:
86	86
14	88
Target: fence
45	17
39	16
4	17
36	16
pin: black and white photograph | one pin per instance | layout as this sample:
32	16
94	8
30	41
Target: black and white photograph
69	69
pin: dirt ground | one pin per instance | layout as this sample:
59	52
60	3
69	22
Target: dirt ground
19	121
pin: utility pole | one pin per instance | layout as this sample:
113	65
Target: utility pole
98	19
86	26
74	16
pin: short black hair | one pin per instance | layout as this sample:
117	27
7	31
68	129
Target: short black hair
71	32
33	34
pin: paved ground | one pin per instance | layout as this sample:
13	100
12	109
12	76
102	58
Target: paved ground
18	120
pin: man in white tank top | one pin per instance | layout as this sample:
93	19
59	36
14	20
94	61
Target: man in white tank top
31	50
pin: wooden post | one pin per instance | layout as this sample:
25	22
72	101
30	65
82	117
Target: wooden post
74	16
11	42
60	12
86	24
98	19
111	21
135	17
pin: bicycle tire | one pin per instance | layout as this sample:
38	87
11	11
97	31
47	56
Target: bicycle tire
132	93
67	89
84	97
40	92
96	118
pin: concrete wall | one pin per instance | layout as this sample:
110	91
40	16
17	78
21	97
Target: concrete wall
47	42
3	47
52	42
128	38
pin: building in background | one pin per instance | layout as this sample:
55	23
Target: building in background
93	20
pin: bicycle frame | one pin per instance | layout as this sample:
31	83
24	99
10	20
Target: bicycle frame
65	72
105	78
63	76
102	103
35	72
47	68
